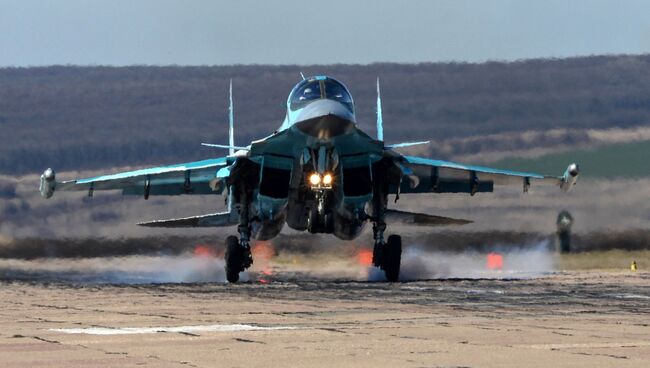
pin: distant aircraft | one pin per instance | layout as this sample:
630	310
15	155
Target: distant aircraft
319	172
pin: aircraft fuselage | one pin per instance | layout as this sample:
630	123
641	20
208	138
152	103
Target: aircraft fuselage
316	174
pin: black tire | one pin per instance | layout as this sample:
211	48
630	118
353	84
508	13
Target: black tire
392	258
329	223
312	221
233	258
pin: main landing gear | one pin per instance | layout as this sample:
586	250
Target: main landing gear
387	255
238	258
238	251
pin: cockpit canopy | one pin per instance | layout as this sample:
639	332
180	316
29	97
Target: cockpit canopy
319	87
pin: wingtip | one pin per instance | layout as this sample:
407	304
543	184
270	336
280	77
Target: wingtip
146	224
47	183
570	177
574	169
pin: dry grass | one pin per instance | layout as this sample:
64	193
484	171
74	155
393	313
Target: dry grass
615	260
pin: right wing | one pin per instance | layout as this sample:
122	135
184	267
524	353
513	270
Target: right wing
199	177
436	176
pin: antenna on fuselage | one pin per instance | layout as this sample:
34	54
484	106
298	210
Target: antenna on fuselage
380	119
231	121
303	76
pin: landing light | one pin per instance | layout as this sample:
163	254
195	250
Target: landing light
327	179
314	179
318	182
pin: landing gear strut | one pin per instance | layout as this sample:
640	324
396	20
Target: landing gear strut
238	251
386	255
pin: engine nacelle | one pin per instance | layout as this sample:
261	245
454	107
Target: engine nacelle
48	183
570	177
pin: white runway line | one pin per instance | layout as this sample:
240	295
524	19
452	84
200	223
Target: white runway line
630	296
186	329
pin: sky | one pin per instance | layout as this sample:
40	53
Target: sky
219	32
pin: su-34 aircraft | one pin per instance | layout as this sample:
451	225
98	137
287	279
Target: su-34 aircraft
318	172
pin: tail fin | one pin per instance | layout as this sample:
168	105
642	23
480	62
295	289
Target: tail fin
231	129
231	120
380	122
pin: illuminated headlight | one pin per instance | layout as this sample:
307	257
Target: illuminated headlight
318	182
314	179
327	179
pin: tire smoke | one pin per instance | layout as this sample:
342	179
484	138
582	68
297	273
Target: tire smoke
185	268
532	260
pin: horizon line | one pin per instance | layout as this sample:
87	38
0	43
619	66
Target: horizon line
461	62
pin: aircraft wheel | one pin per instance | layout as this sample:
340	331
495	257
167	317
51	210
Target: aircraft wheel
392	257
318	224
233	258
329	222
312	221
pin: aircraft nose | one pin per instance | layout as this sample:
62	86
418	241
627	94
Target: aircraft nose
322	108
325	119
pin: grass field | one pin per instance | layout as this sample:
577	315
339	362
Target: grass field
631	160
614	260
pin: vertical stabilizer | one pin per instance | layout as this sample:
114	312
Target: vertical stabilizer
231	120
231	141
380	122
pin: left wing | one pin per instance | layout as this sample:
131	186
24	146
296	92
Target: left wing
436	176
199	177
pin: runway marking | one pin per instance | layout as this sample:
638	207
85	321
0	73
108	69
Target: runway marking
630	296
179	329
589	345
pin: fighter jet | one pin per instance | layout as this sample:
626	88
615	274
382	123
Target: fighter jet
318	173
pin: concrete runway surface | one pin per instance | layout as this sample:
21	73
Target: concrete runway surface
559	319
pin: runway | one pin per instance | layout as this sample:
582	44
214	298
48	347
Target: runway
567	319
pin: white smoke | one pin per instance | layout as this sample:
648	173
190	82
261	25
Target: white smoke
418	263
119	270
531	261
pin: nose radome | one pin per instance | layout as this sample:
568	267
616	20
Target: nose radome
323	108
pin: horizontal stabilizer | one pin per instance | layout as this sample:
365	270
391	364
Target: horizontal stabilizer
405	144
210	220
226	146
421	219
